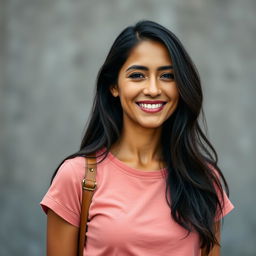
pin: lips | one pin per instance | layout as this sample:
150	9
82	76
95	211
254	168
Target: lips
151	106
151	102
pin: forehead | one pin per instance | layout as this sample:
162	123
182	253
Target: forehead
149	53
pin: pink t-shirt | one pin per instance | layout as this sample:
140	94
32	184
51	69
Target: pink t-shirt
129	215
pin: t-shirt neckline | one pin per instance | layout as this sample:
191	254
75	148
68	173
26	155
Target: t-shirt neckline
161	173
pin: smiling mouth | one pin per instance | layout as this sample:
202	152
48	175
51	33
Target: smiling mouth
151	108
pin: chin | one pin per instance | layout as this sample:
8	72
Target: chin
150	126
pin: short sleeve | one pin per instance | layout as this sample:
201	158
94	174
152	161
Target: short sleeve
65	193
227	207
226	204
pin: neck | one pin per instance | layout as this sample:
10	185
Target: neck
140	145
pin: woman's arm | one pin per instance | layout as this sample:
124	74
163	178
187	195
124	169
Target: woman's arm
216	249
62	237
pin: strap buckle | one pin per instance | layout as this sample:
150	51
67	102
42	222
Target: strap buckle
90	185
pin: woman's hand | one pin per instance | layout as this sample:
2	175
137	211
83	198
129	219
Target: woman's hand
62	237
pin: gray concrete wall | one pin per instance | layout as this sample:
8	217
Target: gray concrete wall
50	53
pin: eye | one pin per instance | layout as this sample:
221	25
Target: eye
136	76
168	76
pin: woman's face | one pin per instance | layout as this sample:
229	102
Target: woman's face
146	87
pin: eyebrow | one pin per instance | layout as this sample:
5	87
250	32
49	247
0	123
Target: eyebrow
145	68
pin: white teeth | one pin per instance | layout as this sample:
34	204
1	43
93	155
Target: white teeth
151	106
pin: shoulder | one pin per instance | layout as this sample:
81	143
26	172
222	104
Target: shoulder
215	173
77	162
65	193
72	169
225	205
212	167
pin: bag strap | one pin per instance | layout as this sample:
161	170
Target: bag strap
88	185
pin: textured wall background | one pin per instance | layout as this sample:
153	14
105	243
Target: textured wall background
50	53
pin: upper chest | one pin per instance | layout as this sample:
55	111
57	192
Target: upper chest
125	205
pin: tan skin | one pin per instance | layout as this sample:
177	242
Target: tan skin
62	237
138	145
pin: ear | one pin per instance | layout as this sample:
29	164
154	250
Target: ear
114	90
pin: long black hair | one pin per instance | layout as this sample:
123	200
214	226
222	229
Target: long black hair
194	180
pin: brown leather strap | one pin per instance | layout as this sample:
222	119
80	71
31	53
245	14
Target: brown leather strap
88	185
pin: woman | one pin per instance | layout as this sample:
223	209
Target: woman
159	187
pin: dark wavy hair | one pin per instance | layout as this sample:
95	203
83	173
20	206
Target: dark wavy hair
194	179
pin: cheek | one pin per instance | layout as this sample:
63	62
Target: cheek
175	98
176	95
128	92
172	91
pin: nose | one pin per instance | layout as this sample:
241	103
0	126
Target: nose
152	87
